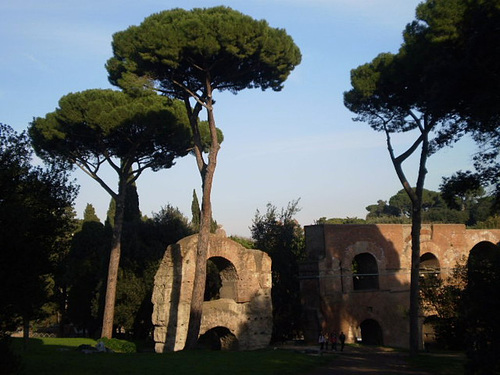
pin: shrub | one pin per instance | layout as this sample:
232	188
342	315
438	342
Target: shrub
119	346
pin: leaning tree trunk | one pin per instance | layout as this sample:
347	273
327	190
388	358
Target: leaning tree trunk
207	172
114	262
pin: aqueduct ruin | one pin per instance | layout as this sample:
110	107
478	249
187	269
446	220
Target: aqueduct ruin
357	277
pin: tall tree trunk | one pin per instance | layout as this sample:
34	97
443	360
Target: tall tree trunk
63	295
26	332
201	266
416	225
114	263
207	172
416	221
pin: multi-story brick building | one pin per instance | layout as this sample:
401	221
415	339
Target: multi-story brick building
357	277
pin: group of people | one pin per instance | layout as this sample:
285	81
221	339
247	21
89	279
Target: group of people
331	339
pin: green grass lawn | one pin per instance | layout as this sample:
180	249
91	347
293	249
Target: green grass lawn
59	356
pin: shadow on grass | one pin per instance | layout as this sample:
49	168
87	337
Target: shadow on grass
440	362
59	356
47	345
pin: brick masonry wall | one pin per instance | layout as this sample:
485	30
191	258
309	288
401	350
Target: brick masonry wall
330	302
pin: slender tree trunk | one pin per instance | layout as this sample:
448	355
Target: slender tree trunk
114	263
63	293
416	221
201	268
416	225
207	172
26	332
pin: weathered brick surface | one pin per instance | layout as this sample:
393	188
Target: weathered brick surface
329	300
246	312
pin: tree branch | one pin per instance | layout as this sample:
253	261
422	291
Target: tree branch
398	167
191	93
84	166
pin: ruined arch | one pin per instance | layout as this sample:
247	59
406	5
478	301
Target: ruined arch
218	338
365	272
243	305
371	332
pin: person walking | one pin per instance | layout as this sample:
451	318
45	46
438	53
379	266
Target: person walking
342	341
321	341
333	340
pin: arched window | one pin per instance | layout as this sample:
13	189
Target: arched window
429	266
365	272
222	279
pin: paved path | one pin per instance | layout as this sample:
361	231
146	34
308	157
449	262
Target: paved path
367	360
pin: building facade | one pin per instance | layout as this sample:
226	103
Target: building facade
357	277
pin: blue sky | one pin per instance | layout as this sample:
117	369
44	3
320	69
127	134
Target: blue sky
279	146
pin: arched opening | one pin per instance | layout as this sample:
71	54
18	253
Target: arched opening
483	267
428	332
483	251
365	272
481	291
218	338
371	333
222	279
429	266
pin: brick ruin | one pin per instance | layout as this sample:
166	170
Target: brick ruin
357	277
240	317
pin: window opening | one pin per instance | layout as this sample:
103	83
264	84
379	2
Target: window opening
365	272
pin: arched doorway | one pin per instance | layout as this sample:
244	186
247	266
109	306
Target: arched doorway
221	281
365	272
429	266
218	338
371	333
428	332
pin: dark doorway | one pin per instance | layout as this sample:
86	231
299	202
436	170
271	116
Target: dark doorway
218	338
428	332
371	333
